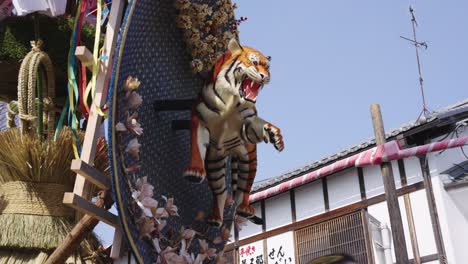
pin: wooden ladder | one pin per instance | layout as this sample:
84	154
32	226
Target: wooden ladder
86	174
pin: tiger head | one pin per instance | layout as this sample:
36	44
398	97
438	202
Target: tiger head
242	71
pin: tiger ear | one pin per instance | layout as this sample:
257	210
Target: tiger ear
234	46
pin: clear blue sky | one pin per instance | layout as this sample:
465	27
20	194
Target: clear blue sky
332	59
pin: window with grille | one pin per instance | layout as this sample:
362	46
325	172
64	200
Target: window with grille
344	234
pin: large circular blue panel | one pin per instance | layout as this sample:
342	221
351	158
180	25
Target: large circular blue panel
150	47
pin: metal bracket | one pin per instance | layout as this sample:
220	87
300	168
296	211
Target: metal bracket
180	124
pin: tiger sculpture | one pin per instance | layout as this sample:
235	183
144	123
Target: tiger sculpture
225	124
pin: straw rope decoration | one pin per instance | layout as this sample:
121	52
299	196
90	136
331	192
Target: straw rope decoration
30	81
34	174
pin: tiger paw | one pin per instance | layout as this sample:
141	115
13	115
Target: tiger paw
195	175
272	134
245	211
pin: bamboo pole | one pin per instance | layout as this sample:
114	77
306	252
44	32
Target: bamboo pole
73	240
396	222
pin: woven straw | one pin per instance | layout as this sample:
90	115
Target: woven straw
27	104
33	198
151	48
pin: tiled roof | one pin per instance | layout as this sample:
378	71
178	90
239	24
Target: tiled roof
445	112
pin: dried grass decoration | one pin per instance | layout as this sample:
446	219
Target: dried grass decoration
207	30
34	175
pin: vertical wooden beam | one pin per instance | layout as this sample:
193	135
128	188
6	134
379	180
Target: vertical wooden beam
396	222
325	194
367	236
433	209
362	185
236	234
292	199
117	245
262	208
409	214
265	251
236	242
265	245
365	218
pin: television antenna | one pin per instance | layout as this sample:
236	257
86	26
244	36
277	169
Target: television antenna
417	45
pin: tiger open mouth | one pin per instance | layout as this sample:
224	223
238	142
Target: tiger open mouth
249	90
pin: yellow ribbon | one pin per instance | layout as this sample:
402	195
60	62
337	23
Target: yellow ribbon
91	87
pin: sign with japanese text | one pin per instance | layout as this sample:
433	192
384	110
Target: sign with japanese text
252	253
280	249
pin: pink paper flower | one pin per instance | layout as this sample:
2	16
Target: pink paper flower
146	191
161	213
149	202
133	148
133	125
120	127
223	236
134	100
170	207
188	234
205	249
146	226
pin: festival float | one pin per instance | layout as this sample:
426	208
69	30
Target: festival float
184	129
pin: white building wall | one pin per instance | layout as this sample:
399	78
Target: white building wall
278	211
423	224
373	181
309	200
454	225
343	188
413	170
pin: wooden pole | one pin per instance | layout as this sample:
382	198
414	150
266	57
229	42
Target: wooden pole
412	229
409	214
396	223
433	209
79	232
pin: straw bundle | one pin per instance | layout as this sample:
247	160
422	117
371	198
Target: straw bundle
34	175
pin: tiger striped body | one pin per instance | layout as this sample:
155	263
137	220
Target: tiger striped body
225	124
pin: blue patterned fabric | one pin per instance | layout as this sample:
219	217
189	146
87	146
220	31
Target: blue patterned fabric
151	48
